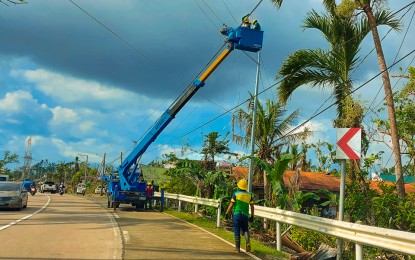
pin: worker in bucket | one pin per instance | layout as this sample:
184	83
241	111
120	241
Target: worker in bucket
256	25
240	202
245	21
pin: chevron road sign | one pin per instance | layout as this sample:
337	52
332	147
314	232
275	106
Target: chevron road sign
348	143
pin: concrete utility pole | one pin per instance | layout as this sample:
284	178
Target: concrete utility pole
251	163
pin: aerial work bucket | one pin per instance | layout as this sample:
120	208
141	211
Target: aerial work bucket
249	39
244	38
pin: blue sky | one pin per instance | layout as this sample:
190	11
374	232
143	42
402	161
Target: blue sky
75	87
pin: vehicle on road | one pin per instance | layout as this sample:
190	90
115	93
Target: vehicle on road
33	190
61	191
13	195
48	186
81	189
4	177
98	190
27	183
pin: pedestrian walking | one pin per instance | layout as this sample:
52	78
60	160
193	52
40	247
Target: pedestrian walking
240	202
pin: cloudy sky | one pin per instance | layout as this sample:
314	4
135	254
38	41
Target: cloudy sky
82	77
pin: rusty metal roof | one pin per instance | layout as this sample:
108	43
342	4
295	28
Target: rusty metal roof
312	181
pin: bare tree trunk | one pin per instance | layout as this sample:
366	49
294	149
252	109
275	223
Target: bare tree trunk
400	187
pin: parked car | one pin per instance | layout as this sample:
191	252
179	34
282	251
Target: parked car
13	195
98	190
81	189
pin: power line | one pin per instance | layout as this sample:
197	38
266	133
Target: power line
302	124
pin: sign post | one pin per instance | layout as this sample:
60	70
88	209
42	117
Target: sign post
348	147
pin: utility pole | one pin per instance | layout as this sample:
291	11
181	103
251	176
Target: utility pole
27	159
251	164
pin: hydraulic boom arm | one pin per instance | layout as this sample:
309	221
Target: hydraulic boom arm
240	38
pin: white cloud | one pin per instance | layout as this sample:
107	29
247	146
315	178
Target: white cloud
71	90
63	115
16	101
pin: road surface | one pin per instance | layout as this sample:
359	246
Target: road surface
78	227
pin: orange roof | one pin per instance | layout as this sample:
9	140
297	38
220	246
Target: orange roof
312	181
409	187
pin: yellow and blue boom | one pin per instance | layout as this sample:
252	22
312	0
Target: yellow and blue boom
127	179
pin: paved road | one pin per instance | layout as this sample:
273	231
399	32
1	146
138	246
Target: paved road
67	228
77	227
154	235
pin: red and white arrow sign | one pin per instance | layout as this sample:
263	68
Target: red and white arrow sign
348	143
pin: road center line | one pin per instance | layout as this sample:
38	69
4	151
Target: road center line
27	216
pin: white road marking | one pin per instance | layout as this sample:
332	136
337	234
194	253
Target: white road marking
115	215
27	216
115	228
126	237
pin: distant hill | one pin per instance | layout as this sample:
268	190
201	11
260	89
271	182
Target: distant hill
155	174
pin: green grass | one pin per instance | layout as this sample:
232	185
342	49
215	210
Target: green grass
258	249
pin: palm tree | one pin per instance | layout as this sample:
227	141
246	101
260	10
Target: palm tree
373	11
212	147
326	68
270	134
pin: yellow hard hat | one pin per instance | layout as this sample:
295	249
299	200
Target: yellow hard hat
242	184
246	20
149	183
254	21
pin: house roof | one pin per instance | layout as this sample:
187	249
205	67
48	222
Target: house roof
312	181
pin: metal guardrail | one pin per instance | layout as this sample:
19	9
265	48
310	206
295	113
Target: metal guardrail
196	201
388	239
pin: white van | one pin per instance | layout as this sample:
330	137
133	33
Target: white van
80	189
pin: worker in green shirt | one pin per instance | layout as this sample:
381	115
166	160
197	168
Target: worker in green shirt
241	201
256	25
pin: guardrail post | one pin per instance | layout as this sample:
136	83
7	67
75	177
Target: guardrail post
359	251
219	213
278	235
196	208
180	206
162	200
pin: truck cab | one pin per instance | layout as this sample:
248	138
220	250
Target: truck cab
4	177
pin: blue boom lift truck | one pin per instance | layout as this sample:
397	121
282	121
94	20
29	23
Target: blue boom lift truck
124	185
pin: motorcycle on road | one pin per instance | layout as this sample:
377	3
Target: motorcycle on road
33	191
